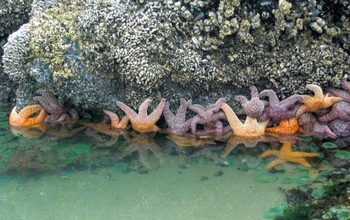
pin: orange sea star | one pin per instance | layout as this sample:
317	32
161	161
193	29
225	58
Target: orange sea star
285	154
25	117
317	102
141	121
286	126
251	127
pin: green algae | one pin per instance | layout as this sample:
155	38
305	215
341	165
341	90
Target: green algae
329	145
80	149
7	154
300	212
121	167
3	147
303	180
318	192
342	154
343	214
287	180
248	162
276	210
265	178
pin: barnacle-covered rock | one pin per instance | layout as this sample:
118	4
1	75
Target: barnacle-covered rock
13	13
15	52
96	52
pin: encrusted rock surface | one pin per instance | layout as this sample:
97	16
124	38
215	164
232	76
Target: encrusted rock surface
97	52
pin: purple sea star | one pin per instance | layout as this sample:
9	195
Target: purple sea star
278	110
312	127
340	127
208	116
177	124
254	107
343	93
340	110
58	111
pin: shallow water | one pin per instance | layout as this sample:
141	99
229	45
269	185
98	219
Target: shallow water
47	176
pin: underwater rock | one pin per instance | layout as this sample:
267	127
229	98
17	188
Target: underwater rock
97	52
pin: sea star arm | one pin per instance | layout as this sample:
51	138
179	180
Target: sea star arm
155	115
49	102
340	93
290	101
269	152
143	108
115	122
181	112
273	99
168	115
131	114
254	107
275	163
232	118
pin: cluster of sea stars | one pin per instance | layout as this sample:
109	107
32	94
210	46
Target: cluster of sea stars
319	114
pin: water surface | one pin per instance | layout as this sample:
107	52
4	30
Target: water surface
51	176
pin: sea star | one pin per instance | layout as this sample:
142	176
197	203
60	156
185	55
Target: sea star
340	127
177	124
64	131
311	127
141	121
317	102
251	126
101	127
58	111
343	93
24	119
340	110
142	142
278	110
286	126
285	154
246	141
252	108
29	132
207	115
115	122
190	141
215	127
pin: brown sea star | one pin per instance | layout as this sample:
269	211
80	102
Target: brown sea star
58	111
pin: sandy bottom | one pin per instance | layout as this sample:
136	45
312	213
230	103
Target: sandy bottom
170	192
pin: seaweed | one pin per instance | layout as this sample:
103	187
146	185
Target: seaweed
301	212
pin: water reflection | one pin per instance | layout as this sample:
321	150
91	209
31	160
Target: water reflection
26	150
32	153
